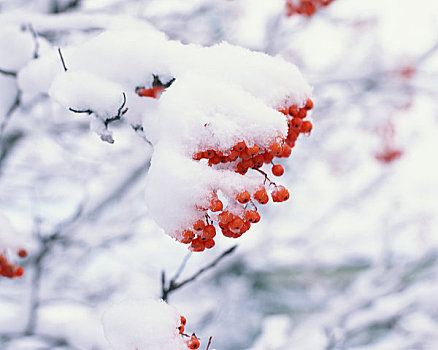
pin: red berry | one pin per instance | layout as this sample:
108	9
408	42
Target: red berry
154	92
193	342
243	197
225	218
275	149
236	224
197	245
277	170
280	194
209	243
199	225
216	205
307	126
252	151
209	232
240	146
252	216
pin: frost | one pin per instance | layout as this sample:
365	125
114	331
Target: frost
143	325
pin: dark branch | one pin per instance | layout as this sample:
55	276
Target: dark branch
35	39
173	285
62	59
87	111
8	72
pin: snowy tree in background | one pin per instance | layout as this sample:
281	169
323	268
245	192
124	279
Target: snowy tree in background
191	100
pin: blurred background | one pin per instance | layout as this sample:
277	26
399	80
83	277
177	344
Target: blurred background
349	262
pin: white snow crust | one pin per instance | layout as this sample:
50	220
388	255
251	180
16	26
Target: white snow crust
221	95
143	325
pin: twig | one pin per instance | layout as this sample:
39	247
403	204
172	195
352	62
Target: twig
209	343
8	72
173	285
62	59
35	39
88	111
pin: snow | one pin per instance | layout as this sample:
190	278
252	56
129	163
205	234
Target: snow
218	99
143	325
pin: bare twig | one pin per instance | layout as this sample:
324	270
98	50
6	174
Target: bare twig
8	72
209	343
35	39
173	285
62	59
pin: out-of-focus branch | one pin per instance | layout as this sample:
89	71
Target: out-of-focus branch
174	285
8	72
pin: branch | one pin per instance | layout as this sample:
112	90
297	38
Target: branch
35	39
173	285
62	59
8	72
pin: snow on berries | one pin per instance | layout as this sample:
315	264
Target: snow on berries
219	119
11	250
305	7
147	325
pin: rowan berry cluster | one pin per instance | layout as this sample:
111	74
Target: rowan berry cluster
193	341
236	218
8	269
305	7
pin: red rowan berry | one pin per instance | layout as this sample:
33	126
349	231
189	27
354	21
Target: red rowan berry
280	194
216	205
277	170
252	216
233	155
154	92
225	218
19	271
193	342
252	151
309	102
275	149
214	160
208	232
307	126
209	154
244	154
293	110
197	245
296	124
258	161
245	227
302	113
198	156
268	157
261	196
183	320
199	225
236	224
287	150
241	168
243	197
209	243
240	146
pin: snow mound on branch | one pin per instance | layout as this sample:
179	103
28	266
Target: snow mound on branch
143	325
221	95
8	237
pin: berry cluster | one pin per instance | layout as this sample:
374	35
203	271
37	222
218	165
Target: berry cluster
305	7
241	211
193	341
10	270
